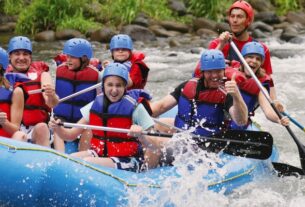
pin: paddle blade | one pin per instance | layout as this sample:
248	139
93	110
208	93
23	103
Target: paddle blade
250	144
287	170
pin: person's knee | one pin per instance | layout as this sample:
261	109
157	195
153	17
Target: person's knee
41	128
20	136
41	134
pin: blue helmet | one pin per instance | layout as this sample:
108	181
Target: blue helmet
116	69
121	41
78	47
253	48
19	43
212	60
3	58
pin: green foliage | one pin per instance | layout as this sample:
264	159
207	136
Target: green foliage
123	11
79	23
12	7
39	15
283	6
48	14
213	9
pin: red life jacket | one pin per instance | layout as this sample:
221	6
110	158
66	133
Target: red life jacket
197	72
60	58
207	96
137	61
35	108
247	85
117	115
5	106
96	63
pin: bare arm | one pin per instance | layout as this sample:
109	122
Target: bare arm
239	110
277	103
65	133
49	94
223	40
269	112
163	105
16	112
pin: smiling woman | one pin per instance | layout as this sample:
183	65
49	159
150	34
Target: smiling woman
114	88
116	108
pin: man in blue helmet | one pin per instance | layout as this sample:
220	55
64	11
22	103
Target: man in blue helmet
201	105
37	106
121	47
113	108
74	75
11	101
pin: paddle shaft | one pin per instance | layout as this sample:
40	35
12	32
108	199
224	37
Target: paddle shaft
294	121
31	92
201	137
300	146
158	134
111	129
35	91
80	92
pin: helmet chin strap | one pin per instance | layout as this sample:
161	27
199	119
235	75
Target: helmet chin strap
238	34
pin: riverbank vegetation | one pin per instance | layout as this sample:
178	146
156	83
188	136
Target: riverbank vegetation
283	6
39	15
209	9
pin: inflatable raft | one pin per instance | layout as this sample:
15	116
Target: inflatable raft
37	176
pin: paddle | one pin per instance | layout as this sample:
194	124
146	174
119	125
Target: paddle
287	170
31	92
80	92
301	147
232	134
70	96
250	144
294	121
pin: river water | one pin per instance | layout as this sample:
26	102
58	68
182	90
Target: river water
169	67
167	71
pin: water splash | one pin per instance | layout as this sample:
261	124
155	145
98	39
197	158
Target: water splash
189	187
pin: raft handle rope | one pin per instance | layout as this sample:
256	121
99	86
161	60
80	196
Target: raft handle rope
15	149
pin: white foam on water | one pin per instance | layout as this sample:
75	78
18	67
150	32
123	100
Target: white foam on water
188	188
